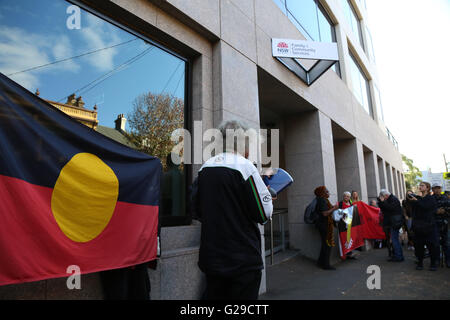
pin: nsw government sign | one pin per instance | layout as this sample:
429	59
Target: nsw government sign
302	49
288	50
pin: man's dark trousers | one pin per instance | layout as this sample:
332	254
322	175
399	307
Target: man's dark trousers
443	238
241	287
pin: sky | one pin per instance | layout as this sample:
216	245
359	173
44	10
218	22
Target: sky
35	33
411	40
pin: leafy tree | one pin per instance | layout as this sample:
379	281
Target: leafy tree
412	174
151	122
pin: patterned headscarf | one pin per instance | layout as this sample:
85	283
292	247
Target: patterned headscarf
321	193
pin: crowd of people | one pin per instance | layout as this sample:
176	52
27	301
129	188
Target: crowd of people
230	198
423	219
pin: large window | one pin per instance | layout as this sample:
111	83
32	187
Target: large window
370	45
377	95
353	20
304	14
127	87
360	85
311	19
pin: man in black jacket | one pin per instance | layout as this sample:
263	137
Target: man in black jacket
441	218
392	217
231	200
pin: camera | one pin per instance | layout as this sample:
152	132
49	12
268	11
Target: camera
412	195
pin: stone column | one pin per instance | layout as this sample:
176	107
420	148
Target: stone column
235	86
395	178
401	187
403	182
310	160
382	173
372	175
350	171
235	96
390	181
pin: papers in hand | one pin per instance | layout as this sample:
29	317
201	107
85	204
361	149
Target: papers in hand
278	179
346	215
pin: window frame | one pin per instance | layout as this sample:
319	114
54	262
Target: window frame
379	104
370	50
366	79
127	25
358	22
333	32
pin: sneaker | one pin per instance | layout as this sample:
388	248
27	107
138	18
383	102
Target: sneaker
433	268
396	259
419	267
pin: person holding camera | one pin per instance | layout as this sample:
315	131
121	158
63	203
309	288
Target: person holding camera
424	226
441	218
393	219
408	213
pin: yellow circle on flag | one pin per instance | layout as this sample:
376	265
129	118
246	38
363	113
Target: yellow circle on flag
84	197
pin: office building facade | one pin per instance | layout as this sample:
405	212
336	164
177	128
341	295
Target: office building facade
216	56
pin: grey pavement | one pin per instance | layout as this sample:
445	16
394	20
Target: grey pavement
299	278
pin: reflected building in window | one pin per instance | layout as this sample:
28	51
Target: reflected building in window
74	107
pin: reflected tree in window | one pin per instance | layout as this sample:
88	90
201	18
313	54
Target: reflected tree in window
152	120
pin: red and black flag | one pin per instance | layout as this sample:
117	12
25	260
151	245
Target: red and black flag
69	195
370	221
350	231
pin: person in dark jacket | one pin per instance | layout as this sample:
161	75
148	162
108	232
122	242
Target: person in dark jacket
441	219
408	214
392	212
424	226
231	199
325	226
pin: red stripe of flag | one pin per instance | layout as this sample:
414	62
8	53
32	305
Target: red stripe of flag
33	247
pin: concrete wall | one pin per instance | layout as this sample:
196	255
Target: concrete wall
309	156
350	168
177	275
372	175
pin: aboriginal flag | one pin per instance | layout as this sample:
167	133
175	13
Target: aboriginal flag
350	235
69	195
370	221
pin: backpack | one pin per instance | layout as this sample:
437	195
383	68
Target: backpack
311	215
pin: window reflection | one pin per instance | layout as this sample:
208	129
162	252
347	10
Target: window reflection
380	113
305	12
327	33
360	85
370	45
353	20
118	84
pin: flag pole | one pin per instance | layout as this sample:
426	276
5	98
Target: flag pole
446	165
